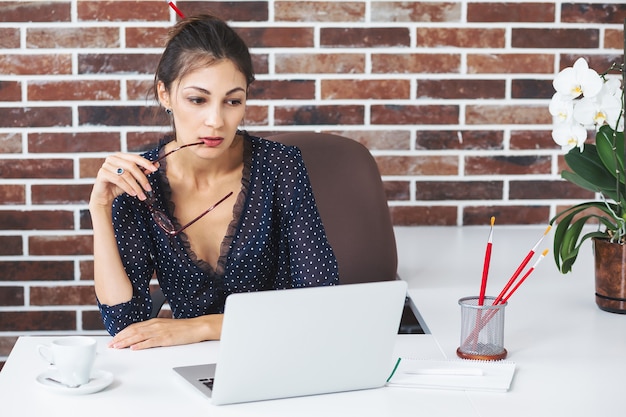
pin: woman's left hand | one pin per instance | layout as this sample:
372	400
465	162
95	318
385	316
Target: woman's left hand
168	332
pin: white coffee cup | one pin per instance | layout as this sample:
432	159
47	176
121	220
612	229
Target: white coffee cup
73	357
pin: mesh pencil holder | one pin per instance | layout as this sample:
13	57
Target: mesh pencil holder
482	329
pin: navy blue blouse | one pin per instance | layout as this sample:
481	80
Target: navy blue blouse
276	240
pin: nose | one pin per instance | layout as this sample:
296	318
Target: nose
213	116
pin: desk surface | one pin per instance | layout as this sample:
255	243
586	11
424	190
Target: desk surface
570	355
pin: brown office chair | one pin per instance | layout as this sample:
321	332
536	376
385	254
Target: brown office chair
352	203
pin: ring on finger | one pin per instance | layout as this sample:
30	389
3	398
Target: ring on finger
119	171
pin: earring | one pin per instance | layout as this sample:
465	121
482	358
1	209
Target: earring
168	111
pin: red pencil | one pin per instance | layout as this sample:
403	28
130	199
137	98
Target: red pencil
483	284
520	268
176	9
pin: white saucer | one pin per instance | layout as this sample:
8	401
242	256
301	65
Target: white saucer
99	380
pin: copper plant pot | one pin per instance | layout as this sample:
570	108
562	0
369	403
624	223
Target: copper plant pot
610	269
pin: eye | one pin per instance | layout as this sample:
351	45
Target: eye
197	100
234	102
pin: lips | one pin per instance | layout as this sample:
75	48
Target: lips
212	141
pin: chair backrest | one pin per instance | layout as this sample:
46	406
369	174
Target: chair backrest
351	200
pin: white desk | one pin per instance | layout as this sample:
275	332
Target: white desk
571	356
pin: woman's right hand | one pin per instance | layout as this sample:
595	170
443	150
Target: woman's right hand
121	173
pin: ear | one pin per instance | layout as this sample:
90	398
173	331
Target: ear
164	95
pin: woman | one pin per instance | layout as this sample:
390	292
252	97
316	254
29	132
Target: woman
211	211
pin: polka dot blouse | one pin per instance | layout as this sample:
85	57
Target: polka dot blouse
276	240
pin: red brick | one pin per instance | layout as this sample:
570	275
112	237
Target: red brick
397	190
507	114
10	245
121	116
313	63
12	194
459	139
532	139
9	38
277	37
11	296
10	143
10	91
92	320
507	165
74	142
418	165
613	39
366	89
36	11
62	295
461	88
527	214
510	63
36	64
146	37
61	193
80	37
143	141
256	116
36	220
370	37
460	38
529	88
89	167
74	90
120	63
410	114
60	245
600	63
379	139
459	190
423	215
608	12
85	221
86	270
14	321
282	90
140	90
36	116
319	11
33	270
115	11
319	115
239	11
398	63
510	12
547	190
416	11
555	38
36	168
260	63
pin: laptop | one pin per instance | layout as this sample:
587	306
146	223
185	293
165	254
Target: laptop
305	341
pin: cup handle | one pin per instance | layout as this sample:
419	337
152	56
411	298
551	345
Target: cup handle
46	353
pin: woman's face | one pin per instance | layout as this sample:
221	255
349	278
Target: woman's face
208	104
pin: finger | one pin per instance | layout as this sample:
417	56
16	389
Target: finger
131	171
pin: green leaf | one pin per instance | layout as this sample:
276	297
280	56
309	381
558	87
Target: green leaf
610	148
589	172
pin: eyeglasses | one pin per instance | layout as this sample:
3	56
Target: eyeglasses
160	218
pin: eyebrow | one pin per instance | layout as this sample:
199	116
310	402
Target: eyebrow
207	92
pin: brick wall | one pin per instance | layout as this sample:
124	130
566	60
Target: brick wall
450	96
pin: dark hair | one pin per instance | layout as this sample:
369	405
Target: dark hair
199	41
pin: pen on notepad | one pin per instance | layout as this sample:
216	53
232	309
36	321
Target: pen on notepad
447	371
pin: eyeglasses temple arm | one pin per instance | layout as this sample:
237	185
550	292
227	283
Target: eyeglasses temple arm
205	212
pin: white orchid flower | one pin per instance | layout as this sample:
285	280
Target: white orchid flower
578	80
569	136
604	108
561	108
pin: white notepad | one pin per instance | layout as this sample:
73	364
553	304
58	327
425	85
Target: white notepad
464	375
